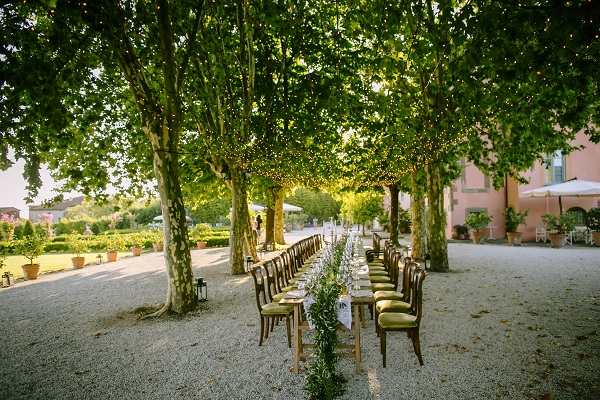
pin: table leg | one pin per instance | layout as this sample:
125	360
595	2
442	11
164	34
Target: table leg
357	336
296	338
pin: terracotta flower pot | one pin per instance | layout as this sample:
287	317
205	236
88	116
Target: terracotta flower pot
478	237
596	236
157	246
111	256
78	262
514	238
557	240
137	251
30	271
201	245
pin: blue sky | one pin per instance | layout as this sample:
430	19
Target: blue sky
13	188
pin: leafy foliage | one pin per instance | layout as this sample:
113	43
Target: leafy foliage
30	247
593	219
478	220
563	223
514	218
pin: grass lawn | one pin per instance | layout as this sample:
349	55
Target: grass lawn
52	262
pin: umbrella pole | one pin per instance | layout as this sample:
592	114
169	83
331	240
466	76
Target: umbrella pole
560	204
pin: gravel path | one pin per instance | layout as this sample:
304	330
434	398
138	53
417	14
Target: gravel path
507	322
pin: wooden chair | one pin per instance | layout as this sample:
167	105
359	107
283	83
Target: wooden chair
388	301
406	322
269	311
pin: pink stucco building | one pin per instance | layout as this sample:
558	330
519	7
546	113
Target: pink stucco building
474	191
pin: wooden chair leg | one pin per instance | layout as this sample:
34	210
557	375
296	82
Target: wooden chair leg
267	327
289	335
414	336
382	340
262	330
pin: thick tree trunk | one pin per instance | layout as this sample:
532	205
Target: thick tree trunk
278	227
270	223
419	218
274	224
436	218
181	295
393	213
240	237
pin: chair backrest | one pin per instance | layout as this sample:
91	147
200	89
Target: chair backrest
259	286
410	267
416	303
287	266
270	280
279	273
396	265
388	249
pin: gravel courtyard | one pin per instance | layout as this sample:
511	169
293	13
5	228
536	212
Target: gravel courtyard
505	323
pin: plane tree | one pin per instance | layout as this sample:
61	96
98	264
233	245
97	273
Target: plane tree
107	78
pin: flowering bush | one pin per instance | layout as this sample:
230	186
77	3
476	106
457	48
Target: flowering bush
46	220
7	226
114	218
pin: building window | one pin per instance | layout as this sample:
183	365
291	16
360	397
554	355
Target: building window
555	168
580	217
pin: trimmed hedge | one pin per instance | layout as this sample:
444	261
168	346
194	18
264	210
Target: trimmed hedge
59	244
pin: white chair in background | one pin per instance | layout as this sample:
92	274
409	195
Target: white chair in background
540	233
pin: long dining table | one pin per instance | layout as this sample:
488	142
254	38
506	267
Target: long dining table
361	295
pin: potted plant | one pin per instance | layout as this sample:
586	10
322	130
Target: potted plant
478	221
137	244
455	232
199	234
31	247
558	227
156	237
77	245
113	244
593	223
513	220
463	232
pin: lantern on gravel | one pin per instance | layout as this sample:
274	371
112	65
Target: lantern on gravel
201	290
99	259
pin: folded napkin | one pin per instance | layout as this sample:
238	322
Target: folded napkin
362	293
295	294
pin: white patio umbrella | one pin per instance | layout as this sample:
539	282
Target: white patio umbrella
291	208
572	188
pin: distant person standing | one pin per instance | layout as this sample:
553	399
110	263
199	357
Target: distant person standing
258	224
254	226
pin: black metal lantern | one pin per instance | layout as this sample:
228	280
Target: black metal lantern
407	252
270	246
99	259
8	279
201	290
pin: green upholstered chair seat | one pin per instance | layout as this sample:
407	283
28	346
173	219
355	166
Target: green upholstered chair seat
286	289
394	320
376	287
379	279
387	295
276	309
375	264
277	297
384	306
376	272
292	281
298	274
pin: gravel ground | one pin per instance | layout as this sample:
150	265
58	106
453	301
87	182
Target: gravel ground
507	322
